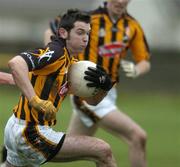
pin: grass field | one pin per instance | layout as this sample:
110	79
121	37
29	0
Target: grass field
157	113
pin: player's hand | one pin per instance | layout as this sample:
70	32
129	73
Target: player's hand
129	68
98	78
44	106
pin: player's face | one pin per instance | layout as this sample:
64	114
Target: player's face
117	7
78	37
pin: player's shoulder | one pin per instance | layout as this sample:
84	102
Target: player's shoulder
131	18
98	12
132	21
57	45
55	48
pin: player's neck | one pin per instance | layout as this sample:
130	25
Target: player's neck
71	51
115	17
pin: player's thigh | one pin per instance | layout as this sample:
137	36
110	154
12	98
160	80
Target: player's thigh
76	126
81	148
120	124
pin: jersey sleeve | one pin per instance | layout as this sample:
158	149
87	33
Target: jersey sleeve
40	58
139	45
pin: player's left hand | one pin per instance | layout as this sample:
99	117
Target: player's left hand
129	68
98	78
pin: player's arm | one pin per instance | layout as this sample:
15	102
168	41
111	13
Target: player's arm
140	52
142	67
6	78
20	70
98	78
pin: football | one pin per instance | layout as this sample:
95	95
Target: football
76	81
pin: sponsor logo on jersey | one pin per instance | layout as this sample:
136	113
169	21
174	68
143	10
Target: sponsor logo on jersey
64	89
112	49
47	55
30	58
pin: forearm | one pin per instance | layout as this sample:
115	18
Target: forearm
20	71
6	78
142	67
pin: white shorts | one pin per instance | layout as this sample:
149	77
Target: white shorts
30	145
90	114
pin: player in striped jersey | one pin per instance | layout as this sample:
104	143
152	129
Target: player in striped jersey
41	75
113	33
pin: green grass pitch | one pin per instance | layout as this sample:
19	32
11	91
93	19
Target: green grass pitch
157	113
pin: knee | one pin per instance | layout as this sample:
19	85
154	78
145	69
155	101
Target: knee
139	137
105	152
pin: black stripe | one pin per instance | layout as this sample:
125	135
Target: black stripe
47	86
113	39
16	111
125	36
114	33
111	61
57	96
45	93
33	81
39	143
101	39
56	150
22	115
56	100
117	74
146	44
86	52
101	27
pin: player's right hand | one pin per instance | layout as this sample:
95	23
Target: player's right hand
44	106
129	68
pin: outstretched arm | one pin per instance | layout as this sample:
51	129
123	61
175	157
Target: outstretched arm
6	78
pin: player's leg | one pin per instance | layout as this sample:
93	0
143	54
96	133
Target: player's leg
7	164
77	127
85	148
3	154
115	121
123	126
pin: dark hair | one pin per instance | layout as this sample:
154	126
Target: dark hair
71	16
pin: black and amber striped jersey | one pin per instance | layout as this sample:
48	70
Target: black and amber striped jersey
109	41
48	75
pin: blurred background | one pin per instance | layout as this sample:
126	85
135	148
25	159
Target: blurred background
152	100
